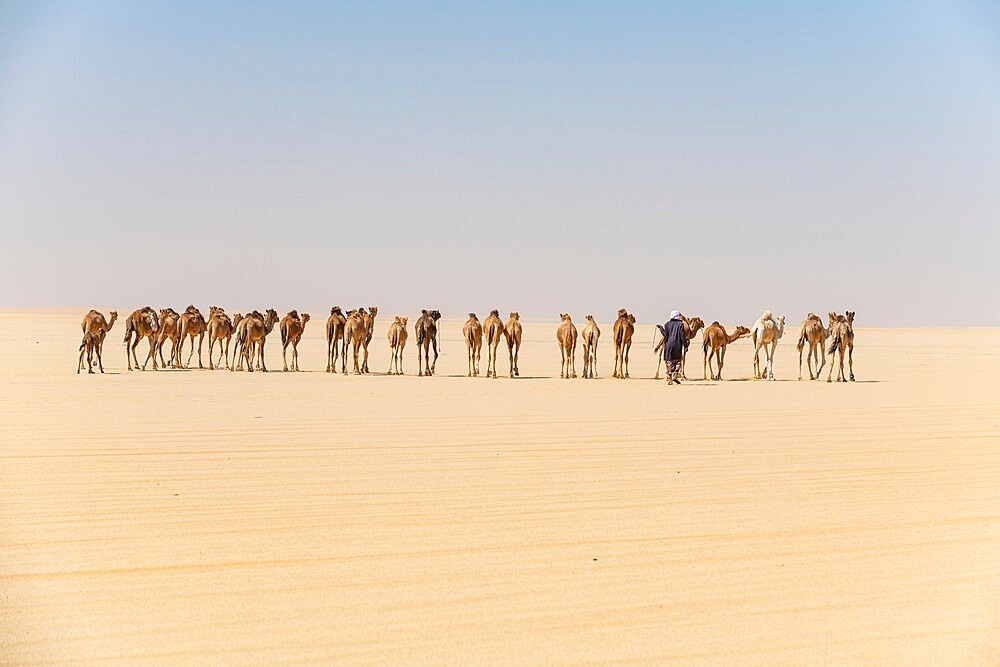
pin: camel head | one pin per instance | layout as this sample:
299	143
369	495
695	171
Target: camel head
564	317
373	310
696	323
850	317
514	315
435	315
589	318
781	324
403	321
114	316
305	318
236	318
272	317
631	318
740	332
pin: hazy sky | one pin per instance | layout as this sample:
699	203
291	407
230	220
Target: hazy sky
717	157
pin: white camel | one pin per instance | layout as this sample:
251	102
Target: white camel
766	333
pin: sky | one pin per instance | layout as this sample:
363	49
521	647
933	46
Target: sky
717	157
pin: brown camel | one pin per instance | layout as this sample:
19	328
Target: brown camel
426	331
397	342
812	331
91	345
566	335
192	323
513	334
220	328
591	334
93	322
142	323
252	335
335	337
240	324
493	331
292	327
169	319
714	342
473	333
841	340
355	331
369	327
622	331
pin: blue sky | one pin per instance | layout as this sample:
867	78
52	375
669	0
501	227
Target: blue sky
719	157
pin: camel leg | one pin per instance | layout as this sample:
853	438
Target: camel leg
364	366
79	366
628	348
201	340
684	357
434	344
572	359
562	361
151	355
284	361
770	360
517	350
100	361
593	364
850	359
190	354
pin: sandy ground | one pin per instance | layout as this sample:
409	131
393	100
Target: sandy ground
184	516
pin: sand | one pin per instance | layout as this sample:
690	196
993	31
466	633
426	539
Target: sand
193	516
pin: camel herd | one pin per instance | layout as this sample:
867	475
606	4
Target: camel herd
353	331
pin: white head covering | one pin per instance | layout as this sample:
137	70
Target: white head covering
674	314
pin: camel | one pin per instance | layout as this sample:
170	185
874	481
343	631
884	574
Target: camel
168	331
94	322
335	335
513	331
716	338
252	335
812	331
369	328
192	323
493	330
622	331
142	323
397	342
240	325
473	333
766	332
220	328
591	334
90	346
292	327
566	335
841	340
692	326
355	331
426	331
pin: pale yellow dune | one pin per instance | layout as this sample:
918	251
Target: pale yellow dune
191	516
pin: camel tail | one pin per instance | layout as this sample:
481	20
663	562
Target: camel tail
836	344
802	341
704	344
284	334
128	332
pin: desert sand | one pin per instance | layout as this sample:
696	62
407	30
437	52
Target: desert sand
195	516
